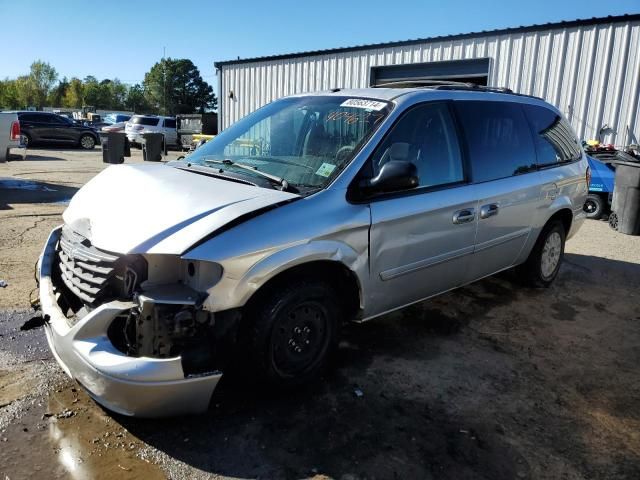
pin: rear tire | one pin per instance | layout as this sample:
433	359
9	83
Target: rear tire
293	332
594	207
543	264
87	142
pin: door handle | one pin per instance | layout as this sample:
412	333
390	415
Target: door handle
465	215
489	210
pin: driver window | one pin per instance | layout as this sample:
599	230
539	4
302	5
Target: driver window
426	137
57	119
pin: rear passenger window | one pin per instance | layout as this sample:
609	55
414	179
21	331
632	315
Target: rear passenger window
169	123
147	121
498	139
554	139
426	137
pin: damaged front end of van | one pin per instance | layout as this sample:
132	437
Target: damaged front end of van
128	313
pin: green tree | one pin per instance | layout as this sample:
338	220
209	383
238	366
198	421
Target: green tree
74	96
117	94
9	97
176	86
57	94
41	79
26	92
136	101
95	93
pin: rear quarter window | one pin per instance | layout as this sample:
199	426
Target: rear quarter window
32	117
553	137
148	121
498	139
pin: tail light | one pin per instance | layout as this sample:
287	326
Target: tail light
587	176
15	130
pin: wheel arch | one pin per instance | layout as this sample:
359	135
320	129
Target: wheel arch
342	278
565	215
93	135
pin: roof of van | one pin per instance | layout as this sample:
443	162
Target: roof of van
386	93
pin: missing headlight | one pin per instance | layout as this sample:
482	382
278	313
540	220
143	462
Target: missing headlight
135	272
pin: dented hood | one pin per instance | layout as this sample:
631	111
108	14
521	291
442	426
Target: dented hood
154	208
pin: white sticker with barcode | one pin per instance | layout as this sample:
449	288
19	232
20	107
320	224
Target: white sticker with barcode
363	103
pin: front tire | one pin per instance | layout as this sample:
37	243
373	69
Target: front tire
543	264
594	207
87	142
294	332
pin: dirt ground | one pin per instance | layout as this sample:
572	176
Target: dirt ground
492	381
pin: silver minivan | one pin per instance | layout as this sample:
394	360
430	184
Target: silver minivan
316	209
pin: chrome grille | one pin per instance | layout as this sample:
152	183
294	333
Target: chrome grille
84	269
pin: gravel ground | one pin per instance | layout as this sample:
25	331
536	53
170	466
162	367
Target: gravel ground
490	381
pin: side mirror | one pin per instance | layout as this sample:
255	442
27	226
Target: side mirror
394	176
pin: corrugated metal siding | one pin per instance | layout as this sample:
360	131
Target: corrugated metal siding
591	73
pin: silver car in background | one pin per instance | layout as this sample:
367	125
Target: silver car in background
313	210
138	125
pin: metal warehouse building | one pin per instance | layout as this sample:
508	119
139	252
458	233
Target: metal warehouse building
589	69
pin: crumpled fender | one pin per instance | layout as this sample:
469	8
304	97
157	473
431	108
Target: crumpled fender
233	292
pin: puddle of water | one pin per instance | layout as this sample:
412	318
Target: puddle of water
12	184
69	437
35	191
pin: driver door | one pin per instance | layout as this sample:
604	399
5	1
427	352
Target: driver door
421	239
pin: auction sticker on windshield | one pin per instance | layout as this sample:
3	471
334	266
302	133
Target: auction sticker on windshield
325	169
363	103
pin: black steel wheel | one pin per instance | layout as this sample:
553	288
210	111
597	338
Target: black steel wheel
613	220
594	206
294	331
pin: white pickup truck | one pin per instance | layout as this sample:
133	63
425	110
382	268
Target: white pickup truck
10	138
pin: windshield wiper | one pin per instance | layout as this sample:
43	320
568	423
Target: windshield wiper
274	178
280	160
210	171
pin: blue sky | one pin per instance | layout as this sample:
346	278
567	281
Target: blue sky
118	38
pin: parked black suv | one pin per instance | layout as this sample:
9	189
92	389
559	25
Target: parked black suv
50	129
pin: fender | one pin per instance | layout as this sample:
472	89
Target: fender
562	202
232	292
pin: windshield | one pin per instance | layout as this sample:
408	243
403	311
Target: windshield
305	140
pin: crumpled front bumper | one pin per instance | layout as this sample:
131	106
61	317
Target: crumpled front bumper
142	386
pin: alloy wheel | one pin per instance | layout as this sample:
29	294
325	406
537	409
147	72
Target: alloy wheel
87	142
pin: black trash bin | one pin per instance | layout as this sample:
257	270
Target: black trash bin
115	146
153	147
625	207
